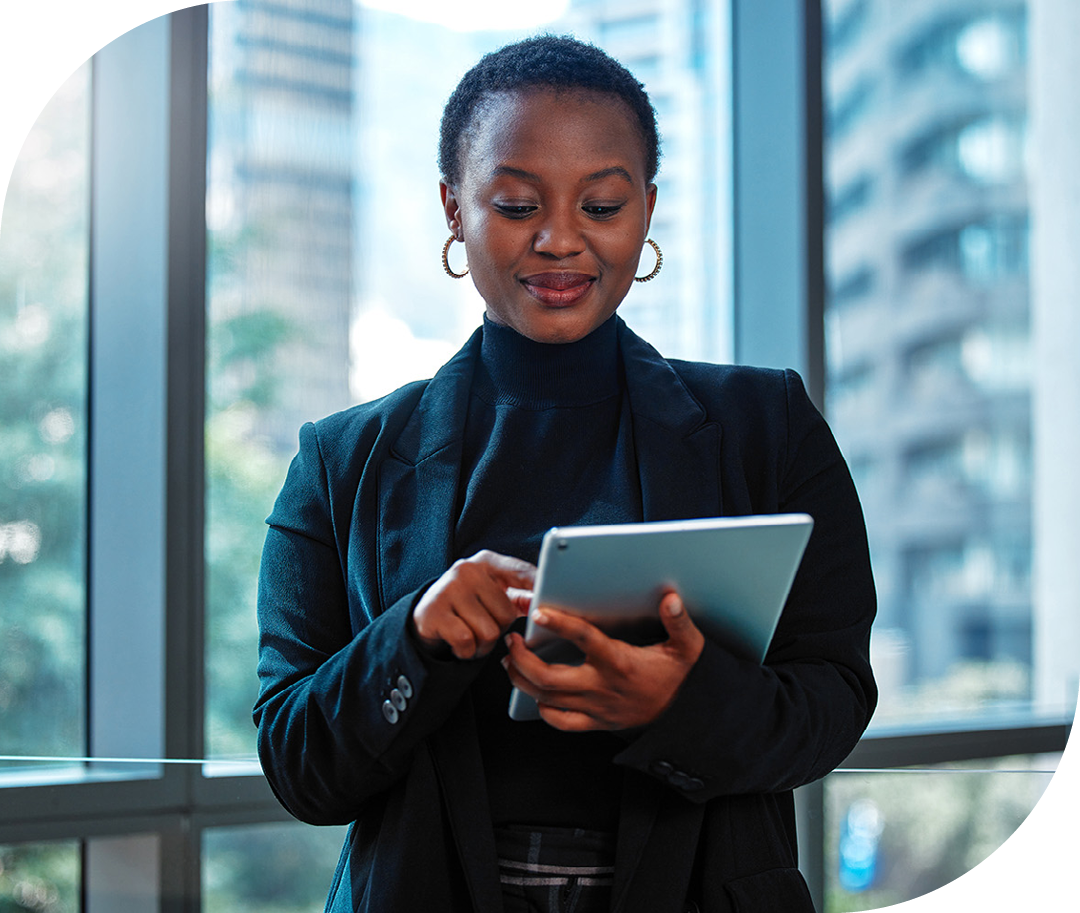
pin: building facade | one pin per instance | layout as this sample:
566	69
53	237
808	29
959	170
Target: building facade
928	330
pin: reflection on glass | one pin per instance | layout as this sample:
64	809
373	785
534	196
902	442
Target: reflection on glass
43	364
325	285
891	836
40	878
269	868
279	213
931	368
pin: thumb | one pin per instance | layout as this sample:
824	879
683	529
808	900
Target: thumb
682	632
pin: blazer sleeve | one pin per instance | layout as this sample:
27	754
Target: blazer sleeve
741	727
345	695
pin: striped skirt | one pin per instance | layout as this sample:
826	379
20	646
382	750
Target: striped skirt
555	870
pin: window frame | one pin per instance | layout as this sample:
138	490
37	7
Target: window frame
145	651
779	227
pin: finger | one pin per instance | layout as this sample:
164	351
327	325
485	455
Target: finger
563	704
498	604
487	615
509	571
567	720
520	599
588	638
458	635
554	678
517	680
683	634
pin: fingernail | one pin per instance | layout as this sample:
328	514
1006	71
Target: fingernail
540	617
675	606
505	662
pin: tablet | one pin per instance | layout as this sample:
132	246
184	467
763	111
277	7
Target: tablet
733	574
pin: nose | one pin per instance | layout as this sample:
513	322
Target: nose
558	234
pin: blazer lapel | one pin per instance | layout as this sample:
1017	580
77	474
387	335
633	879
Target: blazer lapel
678	455
678	450
418	485
418	482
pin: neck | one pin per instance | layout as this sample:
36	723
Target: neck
517	370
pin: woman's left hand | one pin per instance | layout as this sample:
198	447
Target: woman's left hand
618	686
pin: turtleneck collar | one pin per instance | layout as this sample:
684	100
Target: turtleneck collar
515	370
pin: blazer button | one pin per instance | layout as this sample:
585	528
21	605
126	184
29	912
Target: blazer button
398	699
405	686
390	712
685	782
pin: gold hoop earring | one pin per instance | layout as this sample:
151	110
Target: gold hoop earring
446	262
659	262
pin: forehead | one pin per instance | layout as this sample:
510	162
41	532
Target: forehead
562	129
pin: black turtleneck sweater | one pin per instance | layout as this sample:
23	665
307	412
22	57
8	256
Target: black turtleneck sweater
548	442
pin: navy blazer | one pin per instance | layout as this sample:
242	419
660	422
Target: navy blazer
364	523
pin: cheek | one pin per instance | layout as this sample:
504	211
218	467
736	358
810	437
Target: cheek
624	251
494	246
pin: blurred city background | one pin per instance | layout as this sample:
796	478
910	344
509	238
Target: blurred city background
944	346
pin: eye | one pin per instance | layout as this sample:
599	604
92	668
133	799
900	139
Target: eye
515	210
601	210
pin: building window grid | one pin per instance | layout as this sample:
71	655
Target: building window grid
92	810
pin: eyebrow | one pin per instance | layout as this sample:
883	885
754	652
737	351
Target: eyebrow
614	171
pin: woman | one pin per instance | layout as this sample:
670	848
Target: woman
400	554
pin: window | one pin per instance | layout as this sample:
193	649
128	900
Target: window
983	45
40	876
958	504
44	255
854	286
322	202
851	108
980	252
850	199
845	26
302	129
628	32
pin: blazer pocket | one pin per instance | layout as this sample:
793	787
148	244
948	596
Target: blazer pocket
769	891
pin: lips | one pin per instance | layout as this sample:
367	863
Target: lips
558	288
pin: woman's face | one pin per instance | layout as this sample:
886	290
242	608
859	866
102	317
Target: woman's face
553	207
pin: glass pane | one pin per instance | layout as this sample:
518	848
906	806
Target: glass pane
40	878
934	371
269	868
891	836
44	245
325	232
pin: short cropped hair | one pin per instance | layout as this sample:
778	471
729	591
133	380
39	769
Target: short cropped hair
545	61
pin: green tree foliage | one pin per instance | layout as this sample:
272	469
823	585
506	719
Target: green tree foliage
39	878
243	474
43	321
276	868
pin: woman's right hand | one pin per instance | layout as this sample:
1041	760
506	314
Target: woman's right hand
471	605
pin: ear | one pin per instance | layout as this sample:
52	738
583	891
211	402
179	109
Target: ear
650	203
451	208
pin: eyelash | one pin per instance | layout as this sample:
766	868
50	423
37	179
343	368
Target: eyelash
520	212
515	212
602	212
